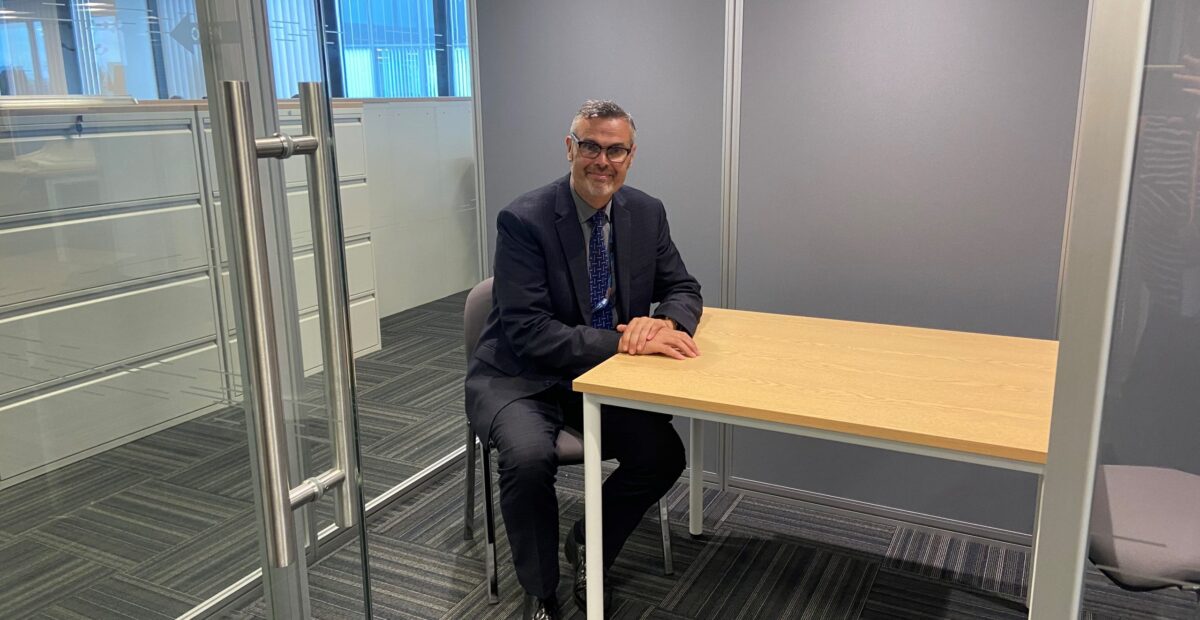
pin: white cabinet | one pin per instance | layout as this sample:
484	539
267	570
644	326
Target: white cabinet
115	283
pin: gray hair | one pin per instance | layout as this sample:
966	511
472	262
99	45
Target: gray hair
604	108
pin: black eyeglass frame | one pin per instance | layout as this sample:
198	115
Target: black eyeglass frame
585	146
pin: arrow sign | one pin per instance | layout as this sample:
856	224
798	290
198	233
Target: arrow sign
186	34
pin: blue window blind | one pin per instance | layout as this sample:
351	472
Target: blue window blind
295	44
458	48
388	48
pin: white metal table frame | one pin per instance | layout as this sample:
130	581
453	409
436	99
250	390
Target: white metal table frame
593	509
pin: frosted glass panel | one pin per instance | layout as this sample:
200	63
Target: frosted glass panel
1144	532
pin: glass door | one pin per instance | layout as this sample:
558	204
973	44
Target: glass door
176	393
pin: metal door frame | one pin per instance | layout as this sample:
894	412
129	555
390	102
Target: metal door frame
1105	136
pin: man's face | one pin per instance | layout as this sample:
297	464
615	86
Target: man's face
597	179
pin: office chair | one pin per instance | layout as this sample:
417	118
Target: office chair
568	446
1145	528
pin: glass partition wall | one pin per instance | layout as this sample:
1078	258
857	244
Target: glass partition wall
170	310
131	464
1144	537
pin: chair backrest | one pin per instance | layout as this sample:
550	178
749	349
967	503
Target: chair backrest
475	312
569	444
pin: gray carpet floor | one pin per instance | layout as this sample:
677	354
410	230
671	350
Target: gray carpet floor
154	527
151	528
760	558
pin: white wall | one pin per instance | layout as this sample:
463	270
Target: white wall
421	162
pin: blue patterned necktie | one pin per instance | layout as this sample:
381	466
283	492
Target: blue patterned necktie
599	275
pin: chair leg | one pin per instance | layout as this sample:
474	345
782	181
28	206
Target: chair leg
489	519
665	523
469	507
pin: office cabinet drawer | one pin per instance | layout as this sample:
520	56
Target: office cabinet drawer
78	337
49	172
364	326
351	156
356	215
54	426
364	332
59	257
351	160
356	212
360	276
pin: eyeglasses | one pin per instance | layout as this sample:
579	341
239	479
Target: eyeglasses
616	153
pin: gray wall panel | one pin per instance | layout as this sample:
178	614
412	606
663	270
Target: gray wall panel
662	61
905	163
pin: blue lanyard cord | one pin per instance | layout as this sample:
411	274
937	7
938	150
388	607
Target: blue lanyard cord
611	291
604	303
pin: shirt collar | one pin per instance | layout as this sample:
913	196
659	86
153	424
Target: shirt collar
585	211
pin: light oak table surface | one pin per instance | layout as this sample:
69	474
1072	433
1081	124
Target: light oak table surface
977	393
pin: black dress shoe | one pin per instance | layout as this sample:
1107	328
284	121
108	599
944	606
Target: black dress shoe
577	557
541	608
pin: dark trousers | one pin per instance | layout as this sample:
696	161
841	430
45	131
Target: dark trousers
645	444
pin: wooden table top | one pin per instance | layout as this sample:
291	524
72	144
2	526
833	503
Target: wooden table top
976	393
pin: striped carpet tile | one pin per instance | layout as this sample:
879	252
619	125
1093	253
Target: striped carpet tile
59	492
135	525
943	556
737	576
841	530
1104	600
121	597
206	563
32	573
903	595
409	581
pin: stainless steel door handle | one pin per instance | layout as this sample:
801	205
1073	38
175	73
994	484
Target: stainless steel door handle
332	292
262	385
249	247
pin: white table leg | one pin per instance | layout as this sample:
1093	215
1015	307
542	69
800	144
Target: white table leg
593	511
696	477
1037	526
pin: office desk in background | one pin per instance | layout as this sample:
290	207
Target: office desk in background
961	396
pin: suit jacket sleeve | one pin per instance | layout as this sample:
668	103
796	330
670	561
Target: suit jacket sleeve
526	315
675	290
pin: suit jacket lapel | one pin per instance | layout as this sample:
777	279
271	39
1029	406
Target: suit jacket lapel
623	248
571	238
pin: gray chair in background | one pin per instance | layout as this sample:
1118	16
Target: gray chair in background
1145	527
568	446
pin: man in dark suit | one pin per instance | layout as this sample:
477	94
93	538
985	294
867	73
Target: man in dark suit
578	264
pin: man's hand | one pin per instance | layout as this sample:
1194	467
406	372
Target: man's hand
638	331
647	336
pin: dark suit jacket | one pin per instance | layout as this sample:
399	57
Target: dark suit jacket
539	331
